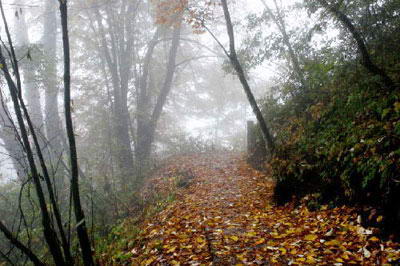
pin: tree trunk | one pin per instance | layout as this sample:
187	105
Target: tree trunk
280	23
28	70
119	64
48	230
143	143
243	80
79	214
20	108
123	147
147	125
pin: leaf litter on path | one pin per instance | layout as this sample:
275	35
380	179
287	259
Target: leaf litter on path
226	217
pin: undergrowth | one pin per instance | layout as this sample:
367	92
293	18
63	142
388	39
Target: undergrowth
344	148
116	247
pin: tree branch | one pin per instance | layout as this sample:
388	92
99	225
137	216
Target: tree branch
24	249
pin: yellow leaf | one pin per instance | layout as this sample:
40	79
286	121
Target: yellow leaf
171	250
147	262
310	237
234	238
298	230
310	259
293	252
278	236
304	211
153	232
379	218
345	257
251	234
274	260
283	250
333	242
339	260
200	240
290	231
174	262
241	257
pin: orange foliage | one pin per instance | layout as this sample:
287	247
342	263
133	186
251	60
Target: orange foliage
195	12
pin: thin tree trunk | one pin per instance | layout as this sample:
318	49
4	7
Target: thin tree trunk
280	23
243	80
16	97
35	122
49	233
79	214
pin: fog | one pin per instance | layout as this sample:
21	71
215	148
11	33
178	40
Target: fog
213	110
102	100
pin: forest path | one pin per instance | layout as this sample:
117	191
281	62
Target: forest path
226	217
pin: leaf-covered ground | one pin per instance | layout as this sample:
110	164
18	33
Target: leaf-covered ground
225	216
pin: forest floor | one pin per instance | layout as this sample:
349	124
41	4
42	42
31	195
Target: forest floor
225	216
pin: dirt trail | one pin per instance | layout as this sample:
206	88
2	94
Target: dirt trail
225	217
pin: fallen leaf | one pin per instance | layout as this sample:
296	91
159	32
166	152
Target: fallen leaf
234	238
260	241
148	261
333	242
311	237
283	251
374	239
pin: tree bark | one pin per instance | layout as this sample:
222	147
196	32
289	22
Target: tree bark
243	80
143	146
118	57
19	106
79	214
49	233
147	125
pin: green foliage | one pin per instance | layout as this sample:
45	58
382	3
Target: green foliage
115	248
339	138
119	240
348	150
